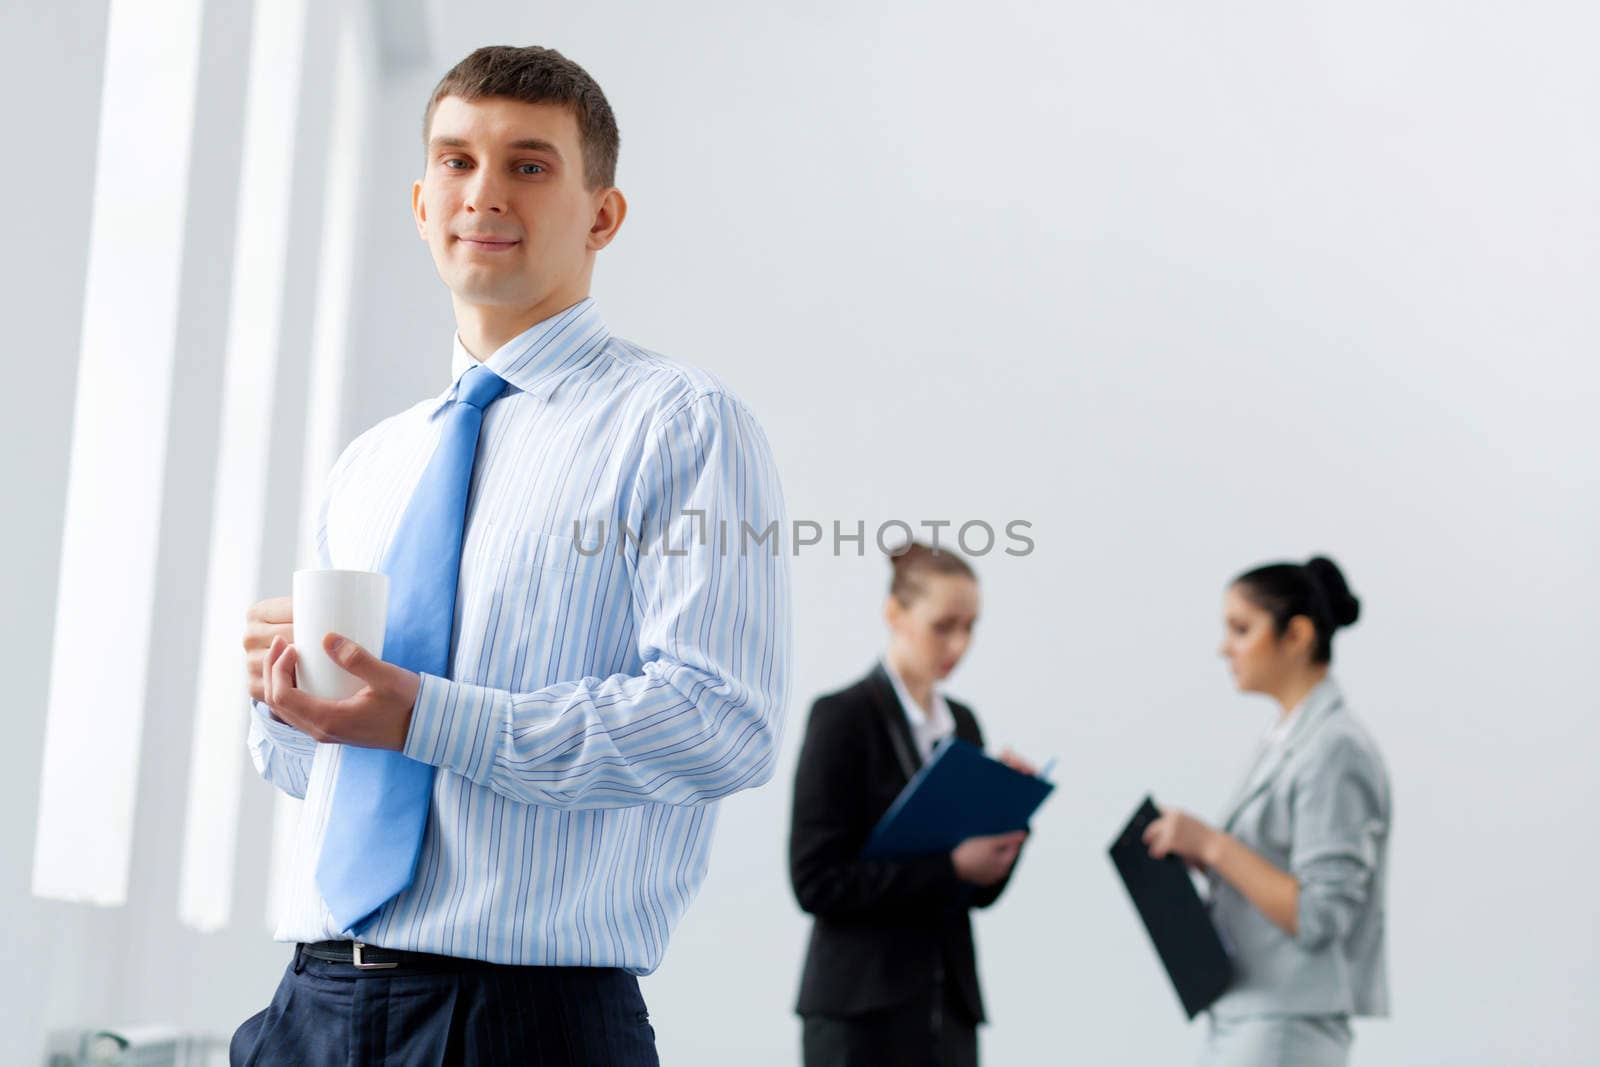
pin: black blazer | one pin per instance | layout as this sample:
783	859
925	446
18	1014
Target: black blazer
884	930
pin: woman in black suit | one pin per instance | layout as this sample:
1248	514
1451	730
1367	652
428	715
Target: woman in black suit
890	975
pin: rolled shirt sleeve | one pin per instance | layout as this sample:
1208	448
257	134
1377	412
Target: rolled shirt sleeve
1340	821
702	717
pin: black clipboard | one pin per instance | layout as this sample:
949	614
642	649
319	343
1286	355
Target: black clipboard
1175	917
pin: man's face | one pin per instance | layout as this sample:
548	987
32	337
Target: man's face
503	205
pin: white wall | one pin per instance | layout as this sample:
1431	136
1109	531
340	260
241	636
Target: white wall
1188	288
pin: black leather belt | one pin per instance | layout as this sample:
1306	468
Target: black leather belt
371	958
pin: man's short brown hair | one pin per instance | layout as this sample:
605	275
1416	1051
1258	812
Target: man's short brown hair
537	75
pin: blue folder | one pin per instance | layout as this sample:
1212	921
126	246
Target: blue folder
959	793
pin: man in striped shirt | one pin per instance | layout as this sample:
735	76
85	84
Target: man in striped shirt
620	653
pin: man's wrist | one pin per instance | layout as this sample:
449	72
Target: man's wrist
410	690
274	730
448	721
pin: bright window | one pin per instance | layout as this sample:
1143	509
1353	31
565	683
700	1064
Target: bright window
239	500
100	651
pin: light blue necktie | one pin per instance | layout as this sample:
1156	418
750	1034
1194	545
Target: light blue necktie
380	799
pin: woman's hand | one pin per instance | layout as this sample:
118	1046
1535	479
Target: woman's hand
1017	763
984	861
1177	833
1275	893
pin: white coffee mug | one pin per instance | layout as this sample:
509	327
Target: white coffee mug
353	604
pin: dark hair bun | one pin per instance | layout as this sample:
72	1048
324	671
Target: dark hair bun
1343	605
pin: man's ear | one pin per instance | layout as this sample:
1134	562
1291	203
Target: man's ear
611	209
419	210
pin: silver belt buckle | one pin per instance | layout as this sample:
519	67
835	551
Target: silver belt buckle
355	959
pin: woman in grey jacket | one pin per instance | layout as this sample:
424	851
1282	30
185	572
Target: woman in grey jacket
1297	864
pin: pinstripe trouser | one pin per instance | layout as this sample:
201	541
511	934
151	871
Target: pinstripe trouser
333	1015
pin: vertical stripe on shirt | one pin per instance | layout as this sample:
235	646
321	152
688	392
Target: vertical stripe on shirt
614	673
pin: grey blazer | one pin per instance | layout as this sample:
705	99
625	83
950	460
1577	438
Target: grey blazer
1316	805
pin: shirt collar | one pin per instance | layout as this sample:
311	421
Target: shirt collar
1322	697
537	359
938	723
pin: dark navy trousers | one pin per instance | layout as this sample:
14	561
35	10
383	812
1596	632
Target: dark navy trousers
333	1015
